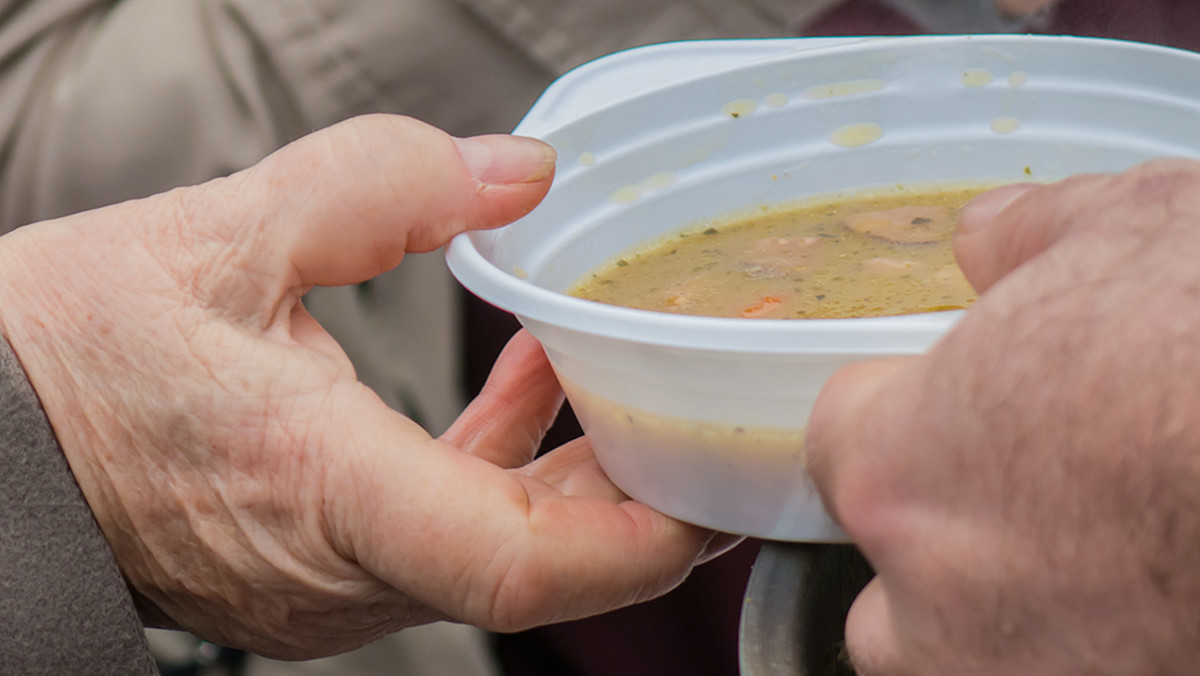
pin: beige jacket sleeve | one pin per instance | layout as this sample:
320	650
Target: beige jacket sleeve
103	100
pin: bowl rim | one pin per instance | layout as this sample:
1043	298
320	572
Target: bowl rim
898	334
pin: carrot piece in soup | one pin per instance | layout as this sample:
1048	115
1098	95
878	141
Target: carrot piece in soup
906	225
762	307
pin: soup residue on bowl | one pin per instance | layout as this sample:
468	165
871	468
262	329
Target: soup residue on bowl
870	254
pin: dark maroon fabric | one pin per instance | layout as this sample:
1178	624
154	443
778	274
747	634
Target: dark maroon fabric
862	17
693	630
1175	23
690	631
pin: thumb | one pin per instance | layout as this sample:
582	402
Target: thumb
998	231
843	454
1002	229
344	204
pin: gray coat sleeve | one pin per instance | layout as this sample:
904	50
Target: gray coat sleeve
64	607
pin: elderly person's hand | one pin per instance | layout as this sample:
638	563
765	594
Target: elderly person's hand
1029	491
253	491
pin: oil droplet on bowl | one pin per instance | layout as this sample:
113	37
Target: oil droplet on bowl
977	77
776	100
519	272
663	179
626	195
587	159
699	154
1005	125
632	193
739	108
1017	79
856	135
836	90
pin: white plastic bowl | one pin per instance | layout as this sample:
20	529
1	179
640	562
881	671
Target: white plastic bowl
703	418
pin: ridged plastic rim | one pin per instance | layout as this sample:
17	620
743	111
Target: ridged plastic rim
902	334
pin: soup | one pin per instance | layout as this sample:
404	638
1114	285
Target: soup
876	254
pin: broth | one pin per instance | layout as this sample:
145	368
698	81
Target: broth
865	255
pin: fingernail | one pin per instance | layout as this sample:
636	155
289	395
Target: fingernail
500	159
982	210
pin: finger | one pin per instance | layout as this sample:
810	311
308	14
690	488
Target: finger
719	545
1001	230
572	470
852	409
620	551
506	422
870	635
501	549
399	186
1004	228
995	235
581	556
345	203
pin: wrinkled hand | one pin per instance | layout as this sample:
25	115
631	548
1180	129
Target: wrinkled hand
253	491
1029	491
